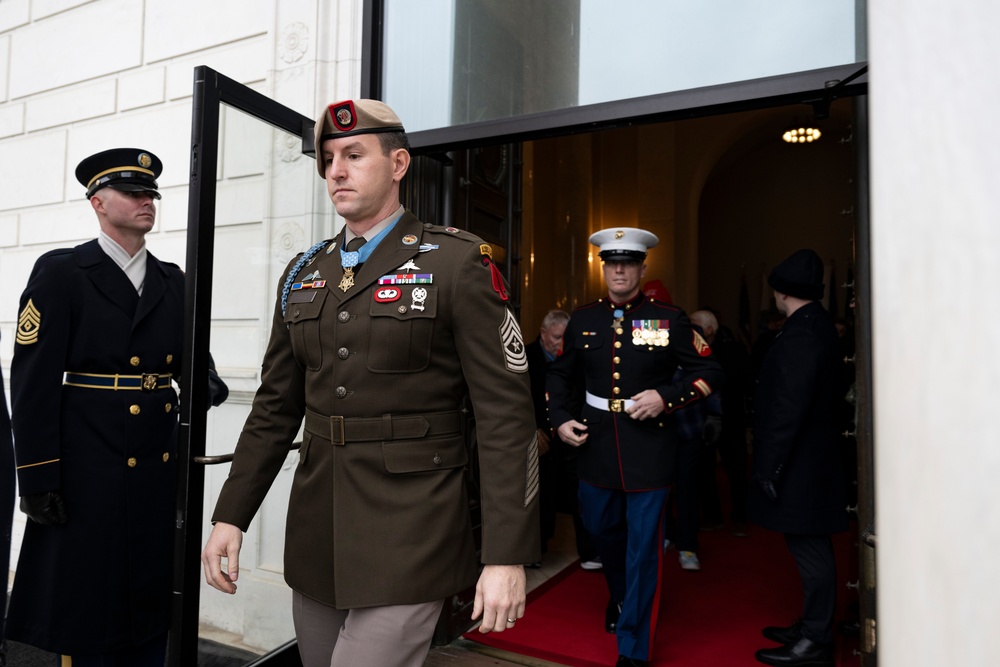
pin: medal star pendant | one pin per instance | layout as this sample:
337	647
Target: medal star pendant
617	323
347	282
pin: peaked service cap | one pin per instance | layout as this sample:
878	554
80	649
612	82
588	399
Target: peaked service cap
620	244
124	169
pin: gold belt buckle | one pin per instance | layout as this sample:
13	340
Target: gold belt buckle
149	381
616	404
337	428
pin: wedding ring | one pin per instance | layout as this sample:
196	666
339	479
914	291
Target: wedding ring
511	620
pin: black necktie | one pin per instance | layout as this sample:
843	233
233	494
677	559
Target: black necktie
354	244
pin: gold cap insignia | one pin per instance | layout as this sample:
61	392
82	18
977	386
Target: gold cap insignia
145	160
28	323
619	234
486	250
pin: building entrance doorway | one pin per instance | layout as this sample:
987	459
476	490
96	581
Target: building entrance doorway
726	200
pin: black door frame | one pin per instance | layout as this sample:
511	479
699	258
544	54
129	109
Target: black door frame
211	90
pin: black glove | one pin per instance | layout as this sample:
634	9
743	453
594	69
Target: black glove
47	508
712	430
767	486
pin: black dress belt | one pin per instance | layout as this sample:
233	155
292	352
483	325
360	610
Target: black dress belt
341	430
144	382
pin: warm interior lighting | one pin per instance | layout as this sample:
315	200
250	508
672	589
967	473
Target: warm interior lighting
801	135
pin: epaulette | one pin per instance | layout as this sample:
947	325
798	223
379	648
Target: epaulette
452	231
304	259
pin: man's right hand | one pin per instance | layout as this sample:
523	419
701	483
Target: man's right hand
47	508
224	542
568	433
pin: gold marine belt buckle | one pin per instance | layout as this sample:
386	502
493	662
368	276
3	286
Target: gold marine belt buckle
149	381
616	404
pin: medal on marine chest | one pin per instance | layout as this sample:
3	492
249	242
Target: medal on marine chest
651	333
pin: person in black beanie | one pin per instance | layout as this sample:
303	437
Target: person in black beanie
798	488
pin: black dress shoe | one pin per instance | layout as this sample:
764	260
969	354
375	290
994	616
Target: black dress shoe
611	614
803	652
784	635
624	661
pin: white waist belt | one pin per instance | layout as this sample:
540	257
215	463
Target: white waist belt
609	404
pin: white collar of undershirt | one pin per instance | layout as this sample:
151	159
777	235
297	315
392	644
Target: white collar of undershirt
134	266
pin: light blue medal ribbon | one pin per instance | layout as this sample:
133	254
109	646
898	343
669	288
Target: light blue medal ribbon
351	258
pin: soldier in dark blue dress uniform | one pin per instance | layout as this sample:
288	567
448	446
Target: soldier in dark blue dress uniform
6	503
97	349
611	393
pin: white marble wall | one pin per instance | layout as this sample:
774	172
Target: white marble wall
79	76
935	237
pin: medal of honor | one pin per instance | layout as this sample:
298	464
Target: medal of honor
348	260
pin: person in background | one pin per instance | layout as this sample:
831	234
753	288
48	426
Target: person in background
611	394
556	461
798	479
98	346
728	443
378	337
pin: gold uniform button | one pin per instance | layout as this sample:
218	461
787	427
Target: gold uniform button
168	407
166	456
132	462
618	343
401	309
135	361
619	331
170	358
617	376
617	360
134	409
617	390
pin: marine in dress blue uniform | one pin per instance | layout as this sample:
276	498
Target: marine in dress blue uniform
95	427
611	393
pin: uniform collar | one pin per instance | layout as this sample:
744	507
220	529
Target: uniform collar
631	304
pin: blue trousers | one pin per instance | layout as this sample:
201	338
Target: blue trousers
627	530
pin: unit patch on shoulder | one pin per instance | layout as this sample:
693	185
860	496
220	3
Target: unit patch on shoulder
514	354
701	345
28	323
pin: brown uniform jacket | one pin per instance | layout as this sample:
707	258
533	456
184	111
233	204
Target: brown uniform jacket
378	513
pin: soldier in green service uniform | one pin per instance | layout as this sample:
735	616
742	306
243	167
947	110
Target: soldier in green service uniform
378	335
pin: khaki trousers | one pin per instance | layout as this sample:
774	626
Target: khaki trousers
392	636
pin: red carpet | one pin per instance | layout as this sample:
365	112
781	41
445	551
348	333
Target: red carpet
710	618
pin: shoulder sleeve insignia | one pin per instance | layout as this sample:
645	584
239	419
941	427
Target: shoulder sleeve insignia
28	323
701	345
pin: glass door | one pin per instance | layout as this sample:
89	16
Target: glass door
254	202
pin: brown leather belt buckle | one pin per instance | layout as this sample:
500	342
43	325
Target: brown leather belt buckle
337	436
616	404
149	381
